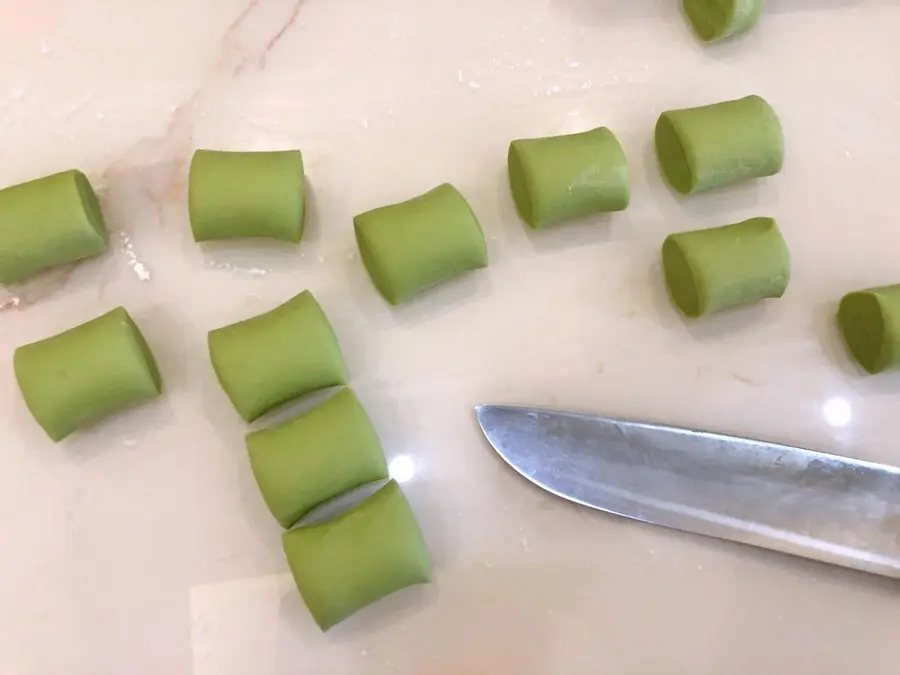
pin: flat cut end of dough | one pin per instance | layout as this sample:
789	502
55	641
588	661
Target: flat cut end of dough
519	184
861	320
91	207
714	20
673	158
122	314
680	279
370	261
709	18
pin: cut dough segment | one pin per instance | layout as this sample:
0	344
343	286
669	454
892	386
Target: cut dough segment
276	357
47	222
368	552
721	267
870	323
719	144
246	194
719	19
563	177
316	456
74	379
410	246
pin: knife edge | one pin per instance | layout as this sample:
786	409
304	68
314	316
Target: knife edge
854	529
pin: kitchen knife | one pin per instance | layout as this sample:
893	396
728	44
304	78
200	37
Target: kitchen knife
811	504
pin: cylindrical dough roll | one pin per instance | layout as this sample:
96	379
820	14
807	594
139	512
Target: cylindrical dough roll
246	194
870	322
76	378
720	267
276	357
47	222
719	19
410	246
316	456
562	177
718	144
361	556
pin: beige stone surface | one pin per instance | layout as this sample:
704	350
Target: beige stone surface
142	546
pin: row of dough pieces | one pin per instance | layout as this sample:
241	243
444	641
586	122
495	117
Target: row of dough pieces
75	379
410	246
80	376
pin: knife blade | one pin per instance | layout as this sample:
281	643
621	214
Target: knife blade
811	504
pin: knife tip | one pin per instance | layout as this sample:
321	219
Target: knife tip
480	410
485	413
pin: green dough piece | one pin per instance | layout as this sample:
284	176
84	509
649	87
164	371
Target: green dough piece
276	357
47	222
74	379
719	19
721	267
316	456
361	556
564	177
719	144
870	322
410	246
246	194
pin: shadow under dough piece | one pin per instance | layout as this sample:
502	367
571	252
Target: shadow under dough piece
359	557
47	222
870	323
719	144
410	246
316	456
74	379
721	267
276	357
246	194
563	177
720	19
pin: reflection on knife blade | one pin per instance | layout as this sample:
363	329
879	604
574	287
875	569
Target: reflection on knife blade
816	505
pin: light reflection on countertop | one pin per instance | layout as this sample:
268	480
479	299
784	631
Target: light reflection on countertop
837	412
402	468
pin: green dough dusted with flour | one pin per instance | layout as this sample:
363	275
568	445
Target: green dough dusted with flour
721	267
410	246
276	357
47	222
719	144
870	323
74	379
719	19
564	177
361	556
247	194
316	456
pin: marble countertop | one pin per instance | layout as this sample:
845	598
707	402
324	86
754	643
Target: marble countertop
142	546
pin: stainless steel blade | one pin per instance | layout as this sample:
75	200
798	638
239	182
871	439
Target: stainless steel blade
811	504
